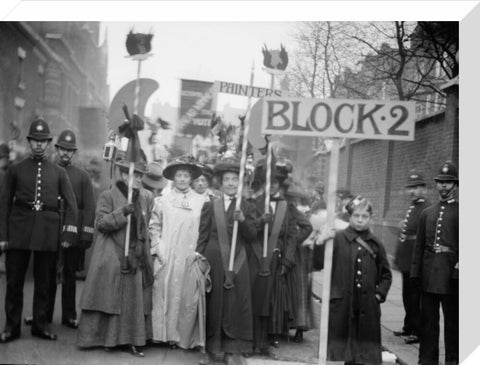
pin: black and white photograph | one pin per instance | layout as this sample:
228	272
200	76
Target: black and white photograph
200	189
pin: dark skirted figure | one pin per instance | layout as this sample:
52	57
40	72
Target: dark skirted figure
361	278
229	311
303	262
116	306
274	278
435	269
411	293
30	222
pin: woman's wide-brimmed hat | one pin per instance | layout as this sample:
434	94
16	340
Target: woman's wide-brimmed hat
139	166
227	164
154	177
207	171
186	162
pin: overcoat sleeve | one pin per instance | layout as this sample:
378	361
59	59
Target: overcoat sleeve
384	274
70	230
290	241
303	224
7	191
107	219
155	227
206	221
416	270
88	212
248	228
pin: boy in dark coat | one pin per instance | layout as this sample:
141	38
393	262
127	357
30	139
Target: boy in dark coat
361	278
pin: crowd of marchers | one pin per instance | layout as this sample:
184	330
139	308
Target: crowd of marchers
165	269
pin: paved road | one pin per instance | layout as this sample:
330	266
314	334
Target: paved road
31	350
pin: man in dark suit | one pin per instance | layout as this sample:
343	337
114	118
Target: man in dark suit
435	268
30	222
411	294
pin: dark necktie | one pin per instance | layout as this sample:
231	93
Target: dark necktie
232	202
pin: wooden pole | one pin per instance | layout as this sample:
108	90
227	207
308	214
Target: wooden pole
327	266
268	178
131	167
243	162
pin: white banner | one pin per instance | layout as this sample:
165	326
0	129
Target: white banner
245	90
369	119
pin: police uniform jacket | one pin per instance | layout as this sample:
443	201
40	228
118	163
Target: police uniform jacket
83	190
436	248
29	217
406	240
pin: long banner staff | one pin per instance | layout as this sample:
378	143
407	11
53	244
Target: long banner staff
132	163
264	269
243	162
327	266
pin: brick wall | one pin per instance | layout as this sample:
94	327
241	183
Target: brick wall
378	169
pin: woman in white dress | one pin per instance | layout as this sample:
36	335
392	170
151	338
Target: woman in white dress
173	232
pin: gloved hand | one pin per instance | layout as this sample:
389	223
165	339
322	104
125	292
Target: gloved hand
283	270
266	218
238	216
128	209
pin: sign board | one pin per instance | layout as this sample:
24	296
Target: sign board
366	119
245	90
195	107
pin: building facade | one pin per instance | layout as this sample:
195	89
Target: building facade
50	69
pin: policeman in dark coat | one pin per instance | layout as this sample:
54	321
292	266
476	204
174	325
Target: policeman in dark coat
71	255
30	221
416	188
435	267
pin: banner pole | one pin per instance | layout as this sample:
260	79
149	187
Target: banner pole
132	165
243	162
327	266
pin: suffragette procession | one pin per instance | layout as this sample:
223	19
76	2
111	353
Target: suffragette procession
216	254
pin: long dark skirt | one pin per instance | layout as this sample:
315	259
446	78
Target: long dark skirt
303	317
274	303
131	327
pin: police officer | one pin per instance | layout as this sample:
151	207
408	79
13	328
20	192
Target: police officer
417	190
29	221
435	267
66	148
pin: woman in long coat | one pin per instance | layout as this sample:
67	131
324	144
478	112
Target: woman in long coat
274	295
174	232
229	309
116	306
303	266
361	278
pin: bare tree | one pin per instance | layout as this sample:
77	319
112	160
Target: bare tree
398	60
321	57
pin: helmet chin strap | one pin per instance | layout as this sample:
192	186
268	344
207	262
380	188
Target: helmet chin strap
39	155
450	193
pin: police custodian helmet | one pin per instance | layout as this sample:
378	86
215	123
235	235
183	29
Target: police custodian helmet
448	172
415	178
39	130
67	140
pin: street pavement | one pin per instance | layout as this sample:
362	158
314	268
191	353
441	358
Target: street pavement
31	350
